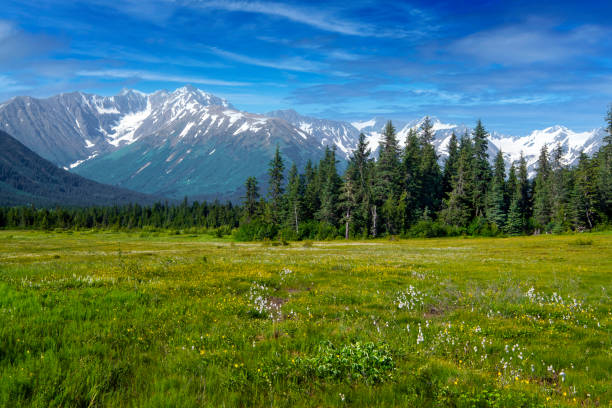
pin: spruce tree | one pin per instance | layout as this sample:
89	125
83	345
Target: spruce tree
312	190
558	188
496	211
515	221
387	182
348	201
585	193
388	166
275	191
450	165
429	170
511	186
295	193
330	184
251	197
457	210
522	191
603	160
359	172
481	169
542	198
412	178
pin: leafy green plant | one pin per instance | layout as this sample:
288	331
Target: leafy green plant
367	362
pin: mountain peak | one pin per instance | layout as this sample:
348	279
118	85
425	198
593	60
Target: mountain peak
128	91
190	92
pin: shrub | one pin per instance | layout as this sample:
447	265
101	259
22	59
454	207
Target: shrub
367	362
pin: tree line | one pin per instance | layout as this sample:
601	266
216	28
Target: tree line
406	192
196	217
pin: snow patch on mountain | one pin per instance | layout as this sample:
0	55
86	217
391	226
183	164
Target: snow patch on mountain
362	125
186	129
124	131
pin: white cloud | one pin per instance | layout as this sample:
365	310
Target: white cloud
290	64
532	42
309	16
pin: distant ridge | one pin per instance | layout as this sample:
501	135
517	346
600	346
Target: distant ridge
28	179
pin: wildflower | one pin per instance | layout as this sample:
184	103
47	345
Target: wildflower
420	337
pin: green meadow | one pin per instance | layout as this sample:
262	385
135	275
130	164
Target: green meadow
116	319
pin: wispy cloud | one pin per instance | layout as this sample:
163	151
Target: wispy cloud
153	76
16	44
531	42
309	16
7	29
10	85
290	64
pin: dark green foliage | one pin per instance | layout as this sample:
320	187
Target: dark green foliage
458	209
603	163
251	197
367	362
388	169
542	194
359	174
295	192
330	186
195	217
481	169
522	193
450	165
275	192
412	178
429	170
585	194
496	197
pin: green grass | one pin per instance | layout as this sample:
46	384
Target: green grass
115	319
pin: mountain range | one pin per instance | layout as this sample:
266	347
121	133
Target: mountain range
191	143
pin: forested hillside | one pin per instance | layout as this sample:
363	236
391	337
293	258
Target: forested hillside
28	179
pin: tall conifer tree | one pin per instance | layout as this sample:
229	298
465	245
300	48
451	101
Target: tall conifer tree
429	170
496	197
542	198
275	191
450	165
481	169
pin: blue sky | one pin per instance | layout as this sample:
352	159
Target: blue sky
517	65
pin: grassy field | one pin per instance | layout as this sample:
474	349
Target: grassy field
116	319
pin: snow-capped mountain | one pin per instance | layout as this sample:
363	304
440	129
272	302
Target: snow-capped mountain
343	135
572	143
186	142
69	127
189	142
